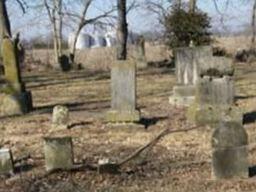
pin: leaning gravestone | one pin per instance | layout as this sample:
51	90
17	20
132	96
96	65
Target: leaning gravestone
14	99
58	153
187	62
6	162
123	93
215	92
229	142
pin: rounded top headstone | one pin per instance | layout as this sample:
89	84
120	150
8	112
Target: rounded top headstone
229	135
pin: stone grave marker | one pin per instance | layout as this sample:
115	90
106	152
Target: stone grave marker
123	93
229	158
187	62
215	93
60	117
58	153
13	95
6	162
141	60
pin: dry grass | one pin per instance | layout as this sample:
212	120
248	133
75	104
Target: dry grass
97	58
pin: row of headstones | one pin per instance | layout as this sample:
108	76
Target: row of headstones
15	99
206	87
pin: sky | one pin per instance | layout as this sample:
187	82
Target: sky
35	22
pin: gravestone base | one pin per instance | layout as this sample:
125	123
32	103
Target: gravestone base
230	163
6	162
212	115
15	104
58	153
183	95
114	116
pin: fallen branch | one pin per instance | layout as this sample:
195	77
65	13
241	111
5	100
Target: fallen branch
153	142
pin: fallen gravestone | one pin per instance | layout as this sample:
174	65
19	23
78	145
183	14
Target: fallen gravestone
229	142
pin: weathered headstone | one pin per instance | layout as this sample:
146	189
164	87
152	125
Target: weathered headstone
6	162
215	93
58	153
60	117
123	93
12	89
229	142
141	53
188	61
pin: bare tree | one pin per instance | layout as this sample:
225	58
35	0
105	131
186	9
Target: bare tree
55	14
253	26
82	20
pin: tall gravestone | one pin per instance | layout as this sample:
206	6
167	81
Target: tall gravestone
14	99
123	93
141	60
215	93
187	62
230	155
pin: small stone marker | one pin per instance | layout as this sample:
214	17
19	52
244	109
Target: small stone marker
187	62
123	93
229	142
6	162
58	153
60	117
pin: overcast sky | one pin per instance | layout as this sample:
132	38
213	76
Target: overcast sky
34	23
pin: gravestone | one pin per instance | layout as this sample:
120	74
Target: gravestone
229	158
187	62
60	117
123	93
58	153
14	99
6	162
215	93
141	60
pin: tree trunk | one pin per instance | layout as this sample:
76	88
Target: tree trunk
122	30
192	6
253	26
72	53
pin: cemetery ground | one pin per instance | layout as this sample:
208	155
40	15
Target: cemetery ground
179	162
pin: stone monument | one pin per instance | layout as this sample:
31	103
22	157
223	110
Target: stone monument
123	93
187	62
215	92
14	99
58	153
141	60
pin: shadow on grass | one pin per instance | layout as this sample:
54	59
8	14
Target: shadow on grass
162	64
249	117
147	122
